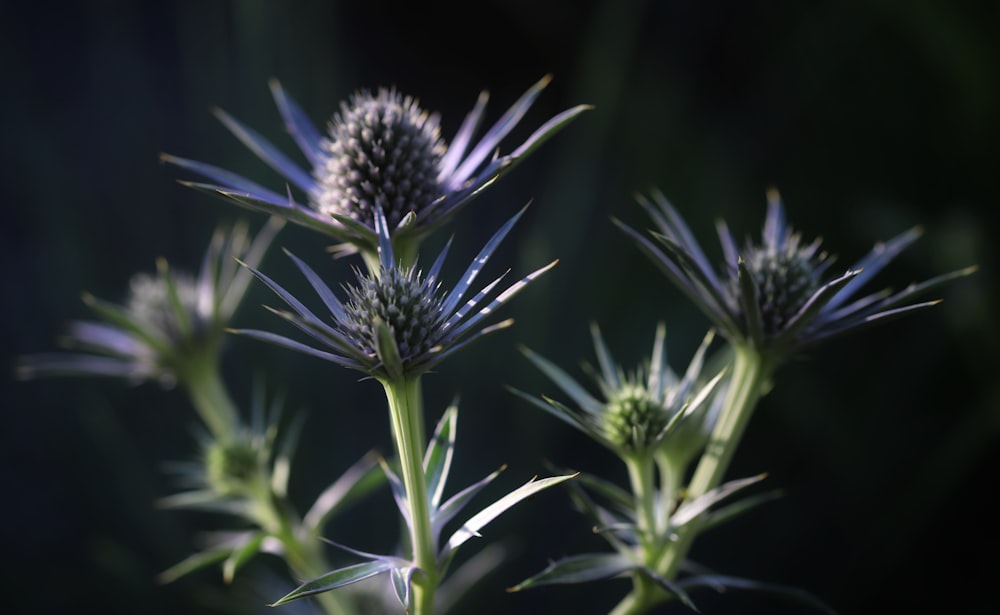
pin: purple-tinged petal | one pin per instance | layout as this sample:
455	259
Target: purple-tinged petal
458	145
497	132
267	152
302	130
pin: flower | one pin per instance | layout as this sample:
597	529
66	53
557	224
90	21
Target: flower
775	296
396	323
641	412
170	322
383	151
245	478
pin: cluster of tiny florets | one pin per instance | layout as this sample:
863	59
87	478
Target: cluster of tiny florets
232	467
633	418
786	278
383	150
149	303
405	302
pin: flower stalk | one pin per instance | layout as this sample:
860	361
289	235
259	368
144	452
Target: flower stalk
202	379
750	380
268	507
751	376
406	416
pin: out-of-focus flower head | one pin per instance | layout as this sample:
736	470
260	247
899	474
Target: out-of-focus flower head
171	322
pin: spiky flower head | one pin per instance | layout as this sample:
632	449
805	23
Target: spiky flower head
775	295
232	467
786	276
382	150
633	418
403	301
245	477
638	413
170	322
400	323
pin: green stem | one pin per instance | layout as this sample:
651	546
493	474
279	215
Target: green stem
751	373
639	600
203	382
407	418
642	481
302	554
274	515
640	474
670	475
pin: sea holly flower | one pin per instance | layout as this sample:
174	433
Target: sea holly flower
170	328
381	151
776	295
166	319
771	299
399	323
396	323
246	479
641	412
656	423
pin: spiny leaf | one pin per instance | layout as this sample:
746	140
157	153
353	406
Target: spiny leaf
481	519
335	579
579	569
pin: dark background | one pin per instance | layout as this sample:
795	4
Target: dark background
870	117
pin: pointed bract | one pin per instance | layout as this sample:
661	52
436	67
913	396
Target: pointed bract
398	323
382	151
774	295
171	321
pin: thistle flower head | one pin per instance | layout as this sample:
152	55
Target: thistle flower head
786	274
775	295
382	151
639	413
233	467
402	301
170	322
399	322
245	476
168	305
633	418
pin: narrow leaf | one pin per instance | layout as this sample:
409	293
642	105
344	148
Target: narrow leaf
491	512
440	451
402	582
690	510
579	569
723	582
302	130
457	502
337	578
266	151
241	555
358	480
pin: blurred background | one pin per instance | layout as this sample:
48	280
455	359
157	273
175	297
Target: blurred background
869	117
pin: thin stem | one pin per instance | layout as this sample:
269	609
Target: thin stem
407	418
640	474
273	513
670	475
750	376
203	381
751	373
638	601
